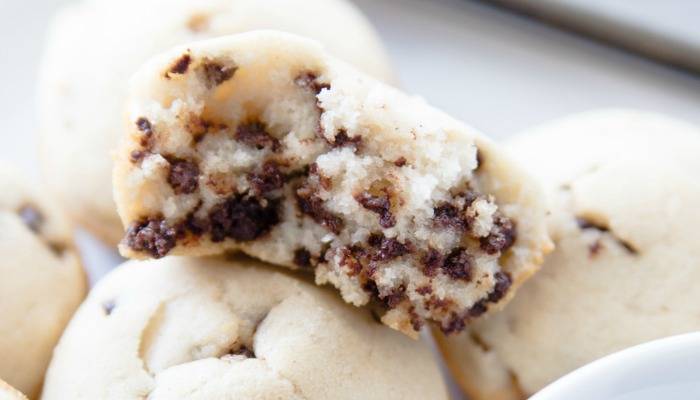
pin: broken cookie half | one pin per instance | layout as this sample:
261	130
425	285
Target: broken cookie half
263	143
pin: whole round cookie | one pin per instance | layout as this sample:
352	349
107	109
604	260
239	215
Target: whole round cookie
94	47
263	142
204	328
623	189
42	281
7	392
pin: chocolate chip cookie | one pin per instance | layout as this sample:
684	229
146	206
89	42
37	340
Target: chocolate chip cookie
203	328
263	142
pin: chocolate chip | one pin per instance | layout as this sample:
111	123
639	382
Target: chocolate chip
268	179
503	282
400	162
453	325
196	225
478	309
436	303
458	264
479	159
387	249
416	321
302	258
136	156
144	125
585	223
254	134
108	306
216	73
501	238
32	217
380	205
432	260
243	218
309	80
57	248
183	176
447	215
153	236
310	204
451	216
395	298
180	65
342	140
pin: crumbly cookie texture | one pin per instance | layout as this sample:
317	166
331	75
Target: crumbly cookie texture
41	284
204	328
81	97
7	392
623	215
262	142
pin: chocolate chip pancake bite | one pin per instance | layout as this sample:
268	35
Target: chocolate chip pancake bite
262	142
623	189
185	328
41	281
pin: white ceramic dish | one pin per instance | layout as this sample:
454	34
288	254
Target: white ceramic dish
663	369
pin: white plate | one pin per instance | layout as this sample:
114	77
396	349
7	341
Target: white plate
663	369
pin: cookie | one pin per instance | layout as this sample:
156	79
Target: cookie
205	328
95	46
297	159
42	281
623	191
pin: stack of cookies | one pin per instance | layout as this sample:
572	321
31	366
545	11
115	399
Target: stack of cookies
294	222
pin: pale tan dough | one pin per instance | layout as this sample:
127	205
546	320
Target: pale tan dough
42	280
263	142
7	392
204	328
94	46
623	189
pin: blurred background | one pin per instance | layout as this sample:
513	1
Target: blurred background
500	66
